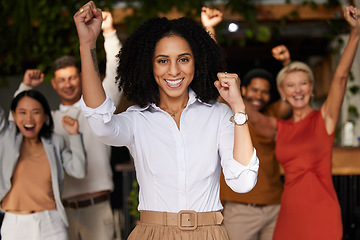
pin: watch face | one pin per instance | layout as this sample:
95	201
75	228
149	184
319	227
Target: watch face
240	118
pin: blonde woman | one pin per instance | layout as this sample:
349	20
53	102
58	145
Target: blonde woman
309	205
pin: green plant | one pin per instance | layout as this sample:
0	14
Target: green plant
133	199
35	32
145	9
352	90
246	8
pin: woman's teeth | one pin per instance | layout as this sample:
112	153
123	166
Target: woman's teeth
173	83
29	126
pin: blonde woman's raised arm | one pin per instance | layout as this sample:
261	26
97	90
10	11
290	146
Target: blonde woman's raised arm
332	106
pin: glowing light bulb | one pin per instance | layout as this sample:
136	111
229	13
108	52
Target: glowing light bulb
233	27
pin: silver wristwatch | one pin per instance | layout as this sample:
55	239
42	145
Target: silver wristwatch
239	118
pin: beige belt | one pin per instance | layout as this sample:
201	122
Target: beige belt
184	220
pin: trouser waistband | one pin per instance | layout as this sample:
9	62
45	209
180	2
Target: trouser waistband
184	220
82	203
37	215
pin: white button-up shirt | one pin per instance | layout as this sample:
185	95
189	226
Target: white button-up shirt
177	169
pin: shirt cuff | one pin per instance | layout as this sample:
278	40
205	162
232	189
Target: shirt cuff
22	87
234	168
104	112
106	35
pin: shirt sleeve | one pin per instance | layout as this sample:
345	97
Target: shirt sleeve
112	46
241	178
115	130
74	160
22	87
103	113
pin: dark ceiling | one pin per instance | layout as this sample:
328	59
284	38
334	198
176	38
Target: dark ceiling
303	39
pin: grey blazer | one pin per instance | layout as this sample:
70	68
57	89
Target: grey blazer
60	158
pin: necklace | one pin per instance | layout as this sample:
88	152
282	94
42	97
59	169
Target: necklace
172	114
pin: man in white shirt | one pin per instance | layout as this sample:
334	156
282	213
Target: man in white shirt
87	201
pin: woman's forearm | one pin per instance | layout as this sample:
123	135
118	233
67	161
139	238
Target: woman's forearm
93	92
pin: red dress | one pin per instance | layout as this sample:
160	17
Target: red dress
309	204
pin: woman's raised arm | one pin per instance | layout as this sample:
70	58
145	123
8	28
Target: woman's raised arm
88	22
330	110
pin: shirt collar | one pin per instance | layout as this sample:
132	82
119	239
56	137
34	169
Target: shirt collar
65	108
192	99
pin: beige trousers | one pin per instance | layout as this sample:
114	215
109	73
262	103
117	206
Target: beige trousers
246	222
95	222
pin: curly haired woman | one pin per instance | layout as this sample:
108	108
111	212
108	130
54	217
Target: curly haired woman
178	133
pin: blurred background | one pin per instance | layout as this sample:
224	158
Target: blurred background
35	32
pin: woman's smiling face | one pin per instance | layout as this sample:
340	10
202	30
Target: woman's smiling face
297	89
173	66
29	117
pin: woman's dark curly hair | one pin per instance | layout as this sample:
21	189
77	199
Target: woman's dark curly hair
48	126
135	70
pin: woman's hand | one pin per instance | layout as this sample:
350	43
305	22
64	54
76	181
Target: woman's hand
88	22
228	86
210	18
352	16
